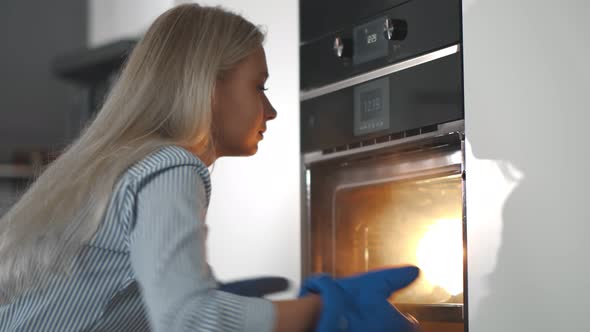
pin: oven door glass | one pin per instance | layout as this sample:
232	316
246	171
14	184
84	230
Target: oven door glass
387	209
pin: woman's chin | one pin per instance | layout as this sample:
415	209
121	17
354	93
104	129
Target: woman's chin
240	151
253	150
248	151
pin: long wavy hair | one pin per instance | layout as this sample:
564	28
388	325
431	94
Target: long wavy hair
163	96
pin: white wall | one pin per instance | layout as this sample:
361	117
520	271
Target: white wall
110	20
527	80
254	215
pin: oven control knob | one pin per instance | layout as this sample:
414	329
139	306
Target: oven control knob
395	29
343	47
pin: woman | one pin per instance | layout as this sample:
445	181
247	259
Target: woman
111	237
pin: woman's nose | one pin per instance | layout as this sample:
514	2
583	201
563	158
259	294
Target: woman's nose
269	111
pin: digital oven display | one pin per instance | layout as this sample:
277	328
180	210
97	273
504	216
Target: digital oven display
371	104
371	107
369	42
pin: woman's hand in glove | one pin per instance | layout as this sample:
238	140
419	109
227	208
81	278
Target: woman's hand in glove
360	303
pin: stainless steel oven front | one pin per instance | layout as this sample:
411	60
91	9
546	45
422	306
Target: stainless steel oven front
382	149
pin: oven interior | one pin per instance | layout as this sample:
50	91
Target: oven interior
391	208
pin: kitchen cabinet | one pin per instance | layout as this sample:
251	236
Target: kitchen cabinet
527	79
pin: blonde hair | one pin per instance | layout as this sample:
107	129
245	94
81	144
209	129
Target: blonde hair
163	97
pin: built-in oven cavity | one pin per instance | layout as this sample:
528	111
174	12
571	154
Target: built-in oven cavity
394	206
403	222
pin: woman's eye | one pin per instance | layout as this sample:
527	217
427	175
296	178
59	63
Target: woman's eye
262	88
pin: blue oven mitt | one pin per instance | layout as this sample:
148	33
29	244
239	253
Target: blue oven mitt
360	303
255	287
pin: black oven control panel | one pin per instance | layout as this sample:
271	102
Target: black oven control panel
371	107
369	42
377	70
345	38
417	97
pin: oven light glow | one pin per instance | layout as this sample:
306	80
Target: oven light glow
440	255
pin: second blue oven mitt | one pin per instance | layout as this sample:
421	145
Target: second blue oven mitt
256	287
360	303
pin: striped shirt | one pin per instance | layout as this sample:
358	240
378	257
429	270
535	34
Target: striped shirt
145	269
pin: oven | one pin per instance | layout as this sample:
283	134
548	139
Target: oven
382	147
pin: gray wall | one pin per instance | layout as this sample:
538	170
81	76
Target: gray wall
35	107
527	79
9	192
6	196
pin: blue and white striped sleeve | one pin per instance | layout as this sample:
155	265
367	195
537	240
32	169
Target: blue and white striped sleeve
167	250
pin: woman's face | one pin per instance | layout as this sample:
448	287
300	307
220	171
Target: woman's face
241	108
